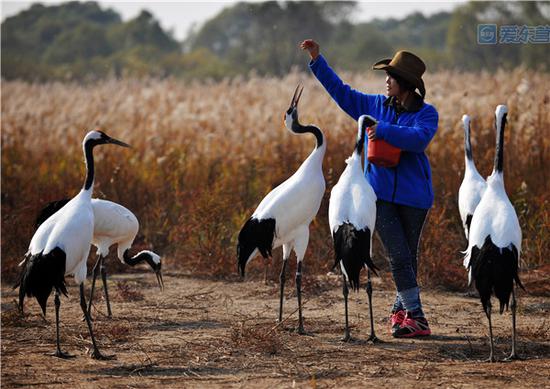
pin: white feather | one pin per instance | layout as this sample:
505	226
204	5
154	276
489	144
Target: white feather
470	192
114	224
352	199
473	185
494	216
296	201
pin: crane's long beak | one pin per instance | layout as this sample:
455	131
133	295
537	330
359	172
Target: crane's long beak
118	142
296	98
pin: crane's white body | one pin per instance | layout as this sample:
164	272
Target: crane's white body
71	229
472	188
495	216
352	200
294	203
114	224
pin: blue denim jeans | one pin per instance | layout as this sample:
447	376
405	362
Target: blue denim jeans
399	227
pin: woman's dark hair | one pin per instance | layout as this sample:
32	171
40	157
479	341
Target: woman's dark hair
403	84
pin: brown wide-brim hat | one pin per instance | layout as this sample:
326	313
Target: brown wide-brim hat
406	65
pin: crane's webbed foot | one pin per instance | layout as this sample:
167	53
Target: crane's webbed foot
97	355
63	355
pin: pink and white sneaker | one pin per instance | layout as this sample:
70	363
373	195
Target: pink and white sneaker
412	327
396	320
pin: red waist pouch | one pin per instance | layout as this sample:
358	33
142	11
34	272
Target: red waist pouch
381	153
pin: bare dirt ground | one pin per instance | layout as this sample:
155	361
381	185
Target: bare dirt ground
210	333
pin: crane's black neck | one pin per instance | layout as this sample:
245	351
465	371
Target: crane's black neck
299	129
499	156
135	260
361	140
89	154
467	143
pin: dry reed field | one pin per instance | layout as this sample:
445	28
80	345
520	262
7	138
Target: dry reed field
204	155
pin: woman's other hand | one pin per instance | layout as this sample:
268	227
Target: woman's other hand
372	132
312	47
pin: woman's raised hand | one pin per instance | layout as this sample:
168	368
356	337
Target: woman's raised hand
312	47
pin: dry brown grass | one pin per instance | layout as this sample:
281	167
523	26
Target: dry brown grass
204	154
254	337
128	292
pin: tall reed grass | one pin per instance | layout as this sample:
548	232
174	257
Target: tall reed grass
205	154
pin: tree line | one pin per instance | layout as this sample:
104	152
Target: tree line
83	41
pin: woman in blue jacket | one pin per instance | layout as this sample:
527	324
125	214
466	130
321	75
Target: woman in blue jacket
405	191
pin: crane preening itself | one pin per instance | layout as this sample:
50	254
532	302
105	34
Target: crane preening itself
61	246
113	224
473	185
494	246
284	215
352	217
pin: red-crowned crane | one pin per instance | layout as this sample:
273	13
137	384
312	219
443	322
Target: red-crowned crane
284	215
61	245
494	247
473	185
113	224
352	217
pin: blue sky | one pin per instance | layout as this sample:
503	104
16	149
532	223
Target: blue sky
179	16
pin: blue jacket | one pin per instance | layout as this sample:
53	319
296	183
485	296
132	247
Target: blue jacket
410	182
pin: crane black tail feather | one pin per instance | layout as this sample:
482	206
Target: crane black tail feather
494	270
41	273
352	248
255	234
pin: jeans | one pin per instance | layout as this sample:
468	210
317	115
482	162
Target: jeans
399	227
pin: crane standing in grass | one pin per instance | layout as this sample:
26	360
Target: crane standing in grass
113	224
352	216
494	247
284	215
61	245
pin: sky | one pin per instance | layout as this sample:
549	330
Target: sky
180	16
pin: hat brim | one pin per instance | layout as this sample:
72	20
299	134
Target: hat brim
385	65
382	65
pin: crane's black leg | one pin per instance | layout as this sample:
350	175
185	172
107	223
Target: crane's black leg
488	313
95	272
282	279
95	353
372	337
58	353
301	330
104	278
513	307
266	271
345	292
